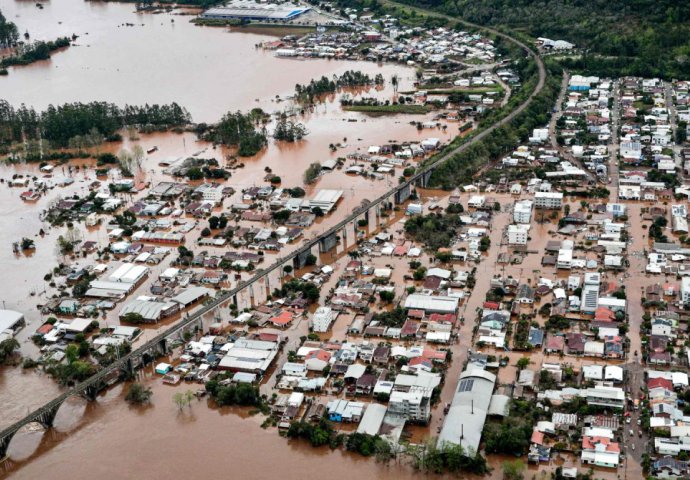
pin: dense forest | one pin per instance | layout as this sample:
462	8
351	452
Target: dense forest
60	124
8	32
621	37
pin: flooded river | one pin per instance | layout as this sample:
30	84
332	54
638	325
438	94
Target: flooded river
159	58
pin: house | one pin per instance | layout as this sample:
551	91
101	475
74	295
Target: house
518	234
606	396
345	411
414	405
381	355
600	451
365	384
525	294
283	320
576	343
554	344
317	360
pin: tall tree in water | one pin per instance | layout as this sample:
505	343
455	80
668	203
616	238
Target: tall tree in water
8	32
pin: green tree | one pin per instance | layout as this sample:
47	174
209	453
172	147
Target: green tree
183	399
138	394
8	348
133	318
513	470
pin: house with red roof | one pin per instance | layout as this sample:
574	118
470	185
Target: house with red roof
603	314
283	320
421	363
438	356
600	451
450	318
317	360
554	344
660	382
409	329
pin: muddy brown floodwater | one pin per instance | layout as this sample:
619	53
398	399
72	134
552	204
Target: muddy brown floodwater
161	58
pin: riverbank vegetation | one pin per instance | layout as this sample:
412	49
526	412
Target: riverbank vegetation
389	109
446	458
324	85
289	131
9	34
138	394
238	130
312	173
373	105
28	53
58	125
8	349
225	393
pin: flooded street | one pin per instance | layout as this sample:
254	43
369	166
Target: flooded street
162	58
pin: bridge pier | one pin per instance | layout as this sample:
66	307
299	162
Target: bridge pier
423	180
402	194
373	218
127	369
327	243
47	417
91	392
5	443
163	346
300	260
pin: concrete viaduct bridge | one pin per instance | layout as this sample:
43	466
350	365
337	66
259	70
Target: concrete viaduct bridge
255	290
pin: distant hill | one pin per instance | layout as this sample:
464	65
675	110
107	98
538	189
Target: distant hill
637	37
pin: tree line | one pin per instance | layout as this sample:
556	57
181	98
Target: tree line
8	32
324	85
60	124
462	166
28	53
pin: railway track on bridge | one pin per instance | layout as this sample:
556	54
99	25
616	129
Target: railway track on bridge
46	413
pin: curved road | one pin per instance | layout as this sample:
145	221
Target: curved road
39	413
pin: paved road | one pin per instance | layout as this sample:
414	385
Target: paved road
563	152
615	139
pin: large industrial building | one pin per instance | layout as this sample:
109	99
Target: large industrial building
465	420
255	11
